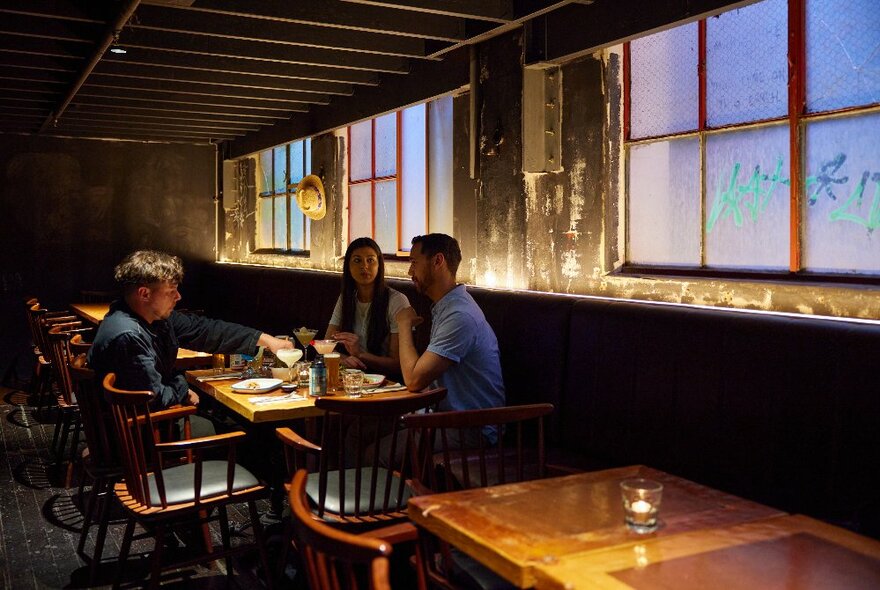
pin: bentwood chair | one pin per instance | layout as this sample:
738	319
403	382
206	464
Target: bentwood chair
443	463
162	492
40	320
334	559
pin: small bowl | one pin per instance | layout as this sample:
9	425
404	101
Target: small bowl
282	373
288	387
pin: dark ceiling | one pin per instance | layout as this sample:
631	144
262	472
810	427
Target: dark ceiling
214	70
202	70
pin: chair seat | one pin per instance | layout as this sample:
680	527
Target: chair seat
180	482
332	501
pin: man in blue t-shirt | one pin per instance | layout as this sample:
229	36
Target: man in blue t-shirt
462	355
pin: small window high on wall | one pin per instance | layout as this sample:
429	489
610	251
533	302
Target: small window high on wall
389	180
281	226
751	140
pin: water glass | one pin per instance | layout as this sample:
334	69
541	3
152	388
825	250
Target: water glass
302	370
353	381
641	503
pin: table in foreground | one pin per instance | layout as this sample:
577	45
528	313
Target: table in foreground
512	529
94	313
791	552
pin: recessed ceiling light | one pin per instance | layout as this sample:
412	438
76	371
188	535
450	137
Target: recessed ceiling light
119	50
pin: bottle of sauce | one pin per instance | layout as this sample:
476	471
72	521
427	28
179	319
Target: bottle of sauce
318	377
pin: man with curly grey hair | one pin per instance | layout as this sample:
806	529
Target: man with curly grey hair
138	339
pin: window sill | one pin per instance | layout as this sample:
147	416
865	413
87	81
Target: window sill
684	273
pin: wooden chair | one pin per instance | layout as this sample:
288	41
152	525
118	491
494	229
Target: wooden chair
442	464
334	559
40	320
161	492
361	458
68	417
102	462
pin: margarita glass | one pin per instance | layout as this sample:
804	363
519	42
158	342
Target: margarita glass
324	346
305	336
289	356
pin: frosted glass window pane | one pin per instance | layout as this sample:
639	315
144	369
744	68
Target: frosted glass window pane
386	145
386	216
843	53
440	168
842	195
360	214
280	169
281	223
664	87
308	150
264	172
747	64
413	174
296	162
664	202
747	199
297	233
361	150
264	223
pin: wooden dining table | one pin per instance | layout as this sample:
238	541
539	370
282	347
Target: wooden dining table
516	529
240	402
94	313
790	552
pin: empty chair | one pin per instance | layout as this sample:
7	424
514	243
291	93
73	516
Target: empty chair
361	457
441	464
162	491
334	559
67	420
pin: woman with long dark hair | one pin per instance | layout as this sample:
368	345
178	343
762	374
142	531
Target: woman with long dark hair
363	320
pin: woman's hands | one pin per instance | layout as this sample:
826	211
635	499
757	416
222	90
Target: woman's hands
353	347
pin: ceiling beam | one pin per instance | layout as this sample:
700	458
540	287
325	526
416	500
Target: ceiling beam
219	118
100	48
237	65
18	44
496	11
210	90
157	106
148	97
190	76
336	14
44	28
203	45
170	122
261	30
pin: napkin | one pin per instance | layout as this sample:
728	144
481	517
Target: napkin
270	399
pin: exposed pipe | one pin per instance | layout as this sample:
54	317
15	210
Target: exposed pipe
111	35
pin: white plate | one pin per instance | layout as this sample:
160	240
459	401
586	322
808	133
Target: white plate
372	380
256	385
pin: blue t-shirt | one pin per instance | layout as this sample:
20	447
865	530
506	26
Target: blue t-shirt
460	333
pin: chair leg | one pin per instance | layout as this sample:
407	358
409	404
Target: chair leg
156	558
74	445
103	523
261	545
224	535
87	515
123	551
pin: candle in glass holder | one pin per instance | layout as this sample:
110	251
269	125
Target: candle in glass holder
641	501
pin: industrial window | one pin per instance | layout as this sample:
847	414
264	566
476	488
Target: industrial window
281	226
388	178
751	141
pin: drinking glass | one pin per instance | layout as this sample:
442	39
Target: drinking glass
305	336
641	502
289	356
324	346
353	381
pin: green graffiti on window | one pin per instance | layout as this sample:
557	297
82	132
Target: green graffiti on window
750	199
753	196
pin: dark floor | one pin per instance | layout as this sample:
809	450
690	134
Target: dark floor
40	519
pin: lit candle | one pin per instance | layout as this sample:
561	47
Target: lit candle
641	512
